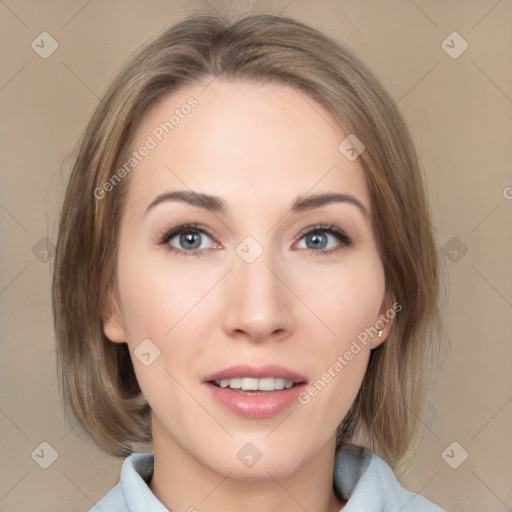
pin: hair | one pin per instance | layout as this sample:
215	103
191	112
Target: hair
96	376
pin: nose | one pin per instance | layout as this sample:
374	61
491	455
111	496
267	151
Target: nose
258	304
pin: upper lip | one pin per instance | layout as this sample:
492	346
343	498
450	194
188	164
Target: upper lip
256	372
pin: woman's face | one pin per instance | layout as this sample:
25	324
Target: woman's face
259	275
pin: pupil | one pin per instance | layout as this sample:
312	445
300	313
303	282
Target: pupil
317	241
191	239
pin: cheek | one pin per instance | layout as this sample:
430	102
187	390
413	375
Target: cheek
161	303
347	299
157	296
348	302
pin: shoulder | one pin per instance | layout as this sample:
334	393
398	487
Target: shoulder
132	493
368	483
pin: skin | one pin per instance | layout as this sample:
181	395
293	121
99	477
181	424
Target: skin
257	147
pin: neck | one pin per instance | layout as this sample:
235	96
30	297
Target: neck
182	483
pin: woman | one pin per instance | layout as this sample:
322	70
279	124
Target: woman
246	275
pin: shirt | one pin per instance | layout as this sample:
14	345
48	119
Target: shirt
360	477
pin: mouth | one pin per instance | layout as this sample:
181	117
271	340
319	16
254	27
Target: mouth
255	392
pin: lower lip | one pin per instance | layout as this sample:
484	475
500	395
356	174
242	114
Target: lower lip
255	406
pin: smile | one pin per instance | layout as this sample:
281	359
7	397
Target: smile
255	392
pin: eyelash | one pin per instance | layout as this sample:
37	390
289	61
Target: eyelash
195	228
344	239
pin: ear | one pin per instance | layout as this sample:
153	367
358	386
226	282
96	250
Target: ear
113	322
386	317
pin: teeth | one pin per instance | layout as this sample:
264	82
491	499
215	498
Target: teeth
267	384
251	384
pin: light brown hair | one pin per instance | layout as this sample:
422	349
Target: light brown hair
96	376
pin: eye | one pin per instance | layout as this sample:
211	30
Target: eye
189	240
323	239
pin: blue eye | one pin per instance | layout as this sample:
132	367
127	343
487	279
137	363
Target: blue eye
324	239
319	241
190	240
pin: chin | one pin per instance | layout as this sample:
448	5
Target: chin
261	460
263	471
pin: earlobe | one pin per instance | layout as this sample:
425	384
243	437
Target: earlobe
385	320
113	323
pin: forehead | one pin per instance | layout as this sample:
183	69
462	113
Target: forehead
241	141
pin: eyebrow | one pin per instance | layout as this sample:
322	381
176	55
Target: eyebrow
312	201
217	205
211	203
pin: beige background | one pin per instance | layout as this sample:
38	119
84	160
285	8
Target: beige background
460	113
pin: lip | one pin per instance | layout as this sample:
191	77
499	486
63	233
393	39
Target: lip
257	405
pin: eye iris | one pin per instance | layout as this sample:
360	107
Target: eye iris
317	240
191	240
